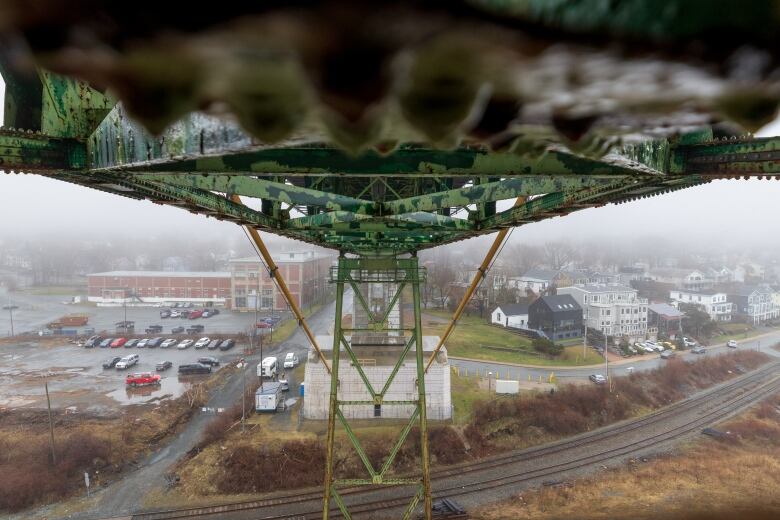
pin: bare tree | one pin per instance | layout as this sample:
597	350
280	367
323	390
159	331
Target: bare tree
558	254
522	257
441	276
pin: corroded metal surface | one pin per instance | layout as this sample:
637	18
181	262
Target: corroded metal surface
382	128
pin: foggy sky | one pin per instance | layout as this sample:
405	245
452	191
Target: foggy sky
740	210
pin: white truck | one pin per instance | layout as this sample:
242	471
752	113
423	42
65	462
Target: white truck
291	360
268	368
269	397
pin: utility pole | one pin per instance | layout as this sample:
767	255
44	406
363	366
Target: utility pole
606	359
11	313
51	424
585	339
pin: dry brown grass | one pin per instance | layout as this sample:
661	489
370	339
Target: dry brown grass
83	442
517	422
715	479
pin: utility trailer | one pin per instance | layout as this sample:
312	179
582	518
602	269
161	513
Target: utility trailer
269	397
69	320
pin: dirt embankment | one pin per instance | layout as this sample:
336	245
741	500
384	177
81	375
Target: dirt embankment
230	462
729	478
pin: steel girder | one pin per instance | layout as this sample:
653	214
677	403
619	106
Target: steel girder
407	198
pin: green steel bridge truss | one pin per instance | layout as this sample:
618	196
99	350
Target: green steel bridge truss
388	197
410	198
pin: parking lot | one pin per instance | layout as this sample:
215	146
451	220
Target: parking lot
34	312
78	381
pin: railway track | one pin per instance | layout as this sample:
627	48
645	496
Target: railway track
734	396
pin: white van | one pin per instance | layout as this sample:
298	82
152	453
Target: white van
268	368
291	360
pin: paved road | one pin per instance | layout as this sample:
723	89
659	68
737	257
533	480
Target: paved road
126	495
503	371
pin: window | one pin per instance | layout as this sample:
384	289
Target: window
498	314
267	299
377	410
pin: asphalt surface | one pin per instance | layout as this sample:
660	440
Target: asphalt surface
126	495
624	367
35	311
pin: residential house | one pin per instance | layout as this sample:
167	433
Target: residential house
540	280
665	318
612	309
754	303
714	303
687	279
512	315
559	317
720	275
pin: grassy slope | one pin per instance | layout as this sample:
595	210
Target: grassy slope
472	335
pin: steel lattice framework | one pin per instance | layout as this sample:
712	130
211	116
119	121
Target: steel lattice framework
412	198
380	129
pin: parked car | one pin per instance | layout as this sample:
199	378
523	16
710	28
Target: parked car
194	368
284	385
118	342
111	363
142	379
92	341
163	366
165	314
263	325
699	350
668	354
598	379
688	342
168	343
175	314
213	344
195	314
214	311
177	330
184	314
208	360
154	329
291	360
142	343
227	344
202	342
106	342
185	343
154	342
132	343
195	329
206	313
127	361
187	304
731	343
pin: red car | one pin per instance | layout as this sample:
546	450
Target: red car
262	325
142	379
196	314
118	342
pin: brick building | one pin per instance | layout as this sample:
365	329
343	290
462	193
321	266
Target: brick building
159	287
306	274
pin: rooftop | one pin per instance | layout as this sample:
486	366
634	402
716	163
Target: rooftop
561	302
664	309
603	287
513	309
